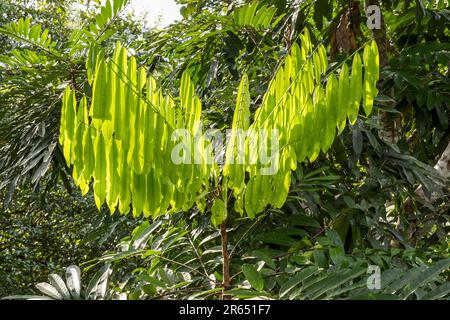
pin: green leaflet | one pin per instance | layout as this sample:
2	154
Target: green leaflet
88	153
218	212
67	129
343	98
320	129
190	104
282	186
371	76
318	108
148	131
112	176
62	127
78	147
100	170
91	62
234	169
332	112
124	183
99	107
136	121
324	58
122	88
250	210
355	89
253	276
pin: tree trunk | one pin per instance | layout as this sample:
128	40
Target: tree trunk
443	168
226	282
390	123
443	165
345	32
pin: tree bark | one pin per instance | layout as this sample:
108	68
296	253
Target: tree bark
443	165
390	123
443	168
345	32
226	281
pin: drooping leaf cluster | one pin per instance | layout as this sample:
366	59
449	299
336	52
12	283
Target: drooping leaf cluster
124	140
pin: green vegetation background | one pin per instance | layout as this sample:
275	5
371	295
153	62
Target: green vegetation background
358	205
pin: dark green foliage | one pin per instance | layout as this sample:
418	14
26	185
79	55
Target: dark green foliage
355	206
